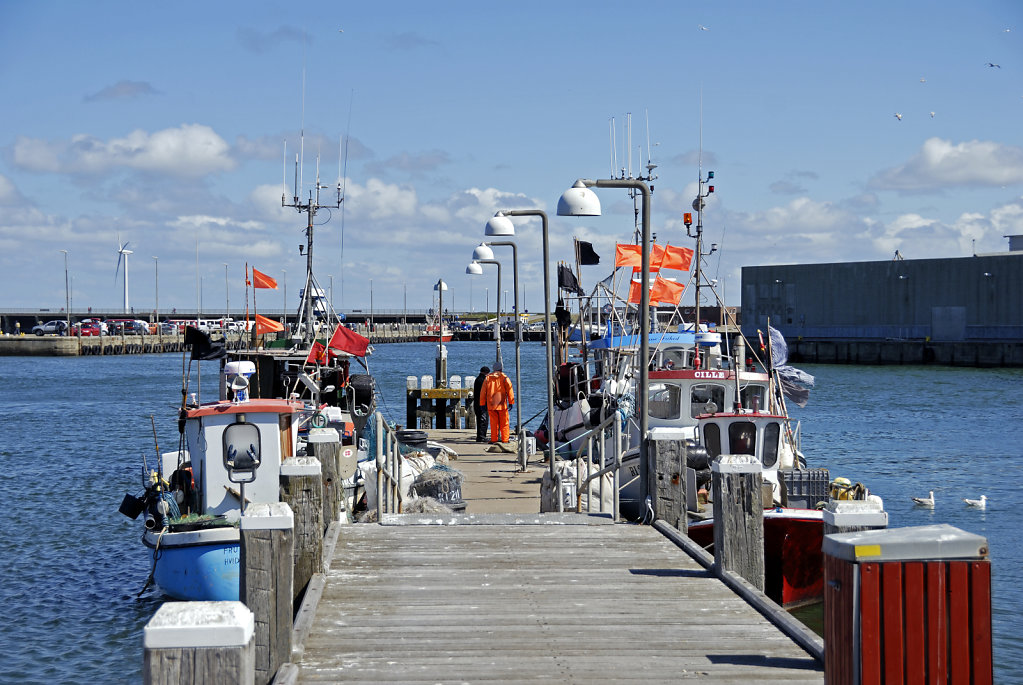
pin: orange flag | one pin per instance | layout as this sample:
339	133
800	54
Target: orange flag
635	294
628	255
266	325
666	292
261	280
679	258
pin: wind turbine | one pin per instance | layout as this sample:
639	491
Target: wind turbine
122	253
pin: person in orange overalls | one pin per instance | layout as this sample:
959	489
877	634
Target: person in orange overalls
496	394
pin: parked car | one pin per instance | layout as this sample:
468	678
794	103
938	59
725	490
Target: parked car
97	322
55	327
169	328
86	329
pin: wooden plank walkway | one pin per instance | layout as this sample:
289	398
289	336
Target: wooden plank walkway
541	599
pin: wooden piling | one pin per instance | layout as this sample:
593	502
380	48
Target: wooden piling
189	643
669	458
267	550
302	490
324	443
739	516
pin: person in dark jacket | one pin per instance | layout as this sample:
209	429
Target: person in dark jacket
481	410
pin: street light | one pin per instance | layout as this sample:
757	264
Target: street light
484	252
501	225
474	269
67	294
156	283
227	298
579	200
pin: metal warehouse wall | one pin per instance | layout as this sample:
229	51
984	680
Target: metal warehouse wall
976	298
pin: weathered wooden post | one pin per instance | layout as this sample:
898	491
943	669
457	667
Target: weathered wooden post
849	516
302	490
736	483
326	448
411	402
267	553
907	605
669	457
199	642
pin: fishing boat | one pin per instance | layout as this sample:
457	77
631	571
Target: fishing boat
273	402
718	394
435	333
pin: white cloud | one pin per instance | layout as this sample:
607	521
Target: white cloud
190	150
940	164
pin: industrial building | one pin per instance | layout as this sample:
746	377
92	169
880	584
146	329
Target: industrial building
960	311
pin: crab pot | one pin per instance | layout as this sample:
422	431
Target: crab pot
907	605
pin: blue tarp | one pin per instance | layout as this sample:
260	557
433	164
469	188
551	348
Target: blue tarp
633	340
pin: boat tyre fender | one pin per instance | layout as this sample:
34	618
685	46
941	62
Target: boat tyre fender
362	388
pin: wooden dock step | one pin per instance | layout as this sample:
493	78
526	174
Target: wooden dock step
540	599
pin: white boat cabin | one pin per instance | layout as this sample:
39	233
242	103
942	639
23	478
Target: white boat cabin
253	437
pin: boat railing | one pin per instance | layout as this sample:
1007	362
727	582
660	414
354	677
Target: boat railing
389	463
597	445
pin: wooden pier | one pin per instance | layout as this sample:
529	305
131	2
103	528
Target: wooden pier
502	593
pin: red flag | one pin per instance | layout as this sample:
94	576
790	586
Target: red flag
266	325
261	280
349	341
635	294
318	354
666	292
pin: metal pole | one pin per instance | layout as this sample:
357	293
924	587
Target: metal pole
156	265
518	357
285	272
67	295
547	328
227	297
646	473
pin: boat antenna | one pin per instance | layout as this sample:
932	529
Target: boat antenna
342	186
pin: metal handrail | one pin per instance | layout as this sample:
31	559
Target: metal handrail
389	466
614	423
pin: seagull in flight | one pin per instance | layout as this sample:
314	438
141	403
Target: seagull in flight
932	115
925	501
996	66
977	503
703	28
923	80
898	116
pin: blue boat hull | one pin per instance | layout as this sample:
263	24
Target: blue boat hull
196	567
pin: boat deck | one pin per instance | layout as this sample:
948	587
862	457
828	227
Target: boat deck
504	594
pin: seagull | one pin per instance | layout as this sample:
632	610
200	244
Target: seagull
898	116
932	115
978	503
923	80
992	64
925	501
704	28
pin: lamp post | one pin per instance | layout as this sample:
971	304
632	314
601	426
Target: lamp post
474	269
156	284
67	294
285	272
579	200
441	365
484	252
500	224
227	297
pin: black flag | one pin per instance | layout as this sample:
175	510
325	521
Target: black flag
587	257
203	348
568	281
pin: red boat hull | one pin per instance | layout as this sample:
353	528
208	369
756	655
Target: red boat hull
434	338
793	560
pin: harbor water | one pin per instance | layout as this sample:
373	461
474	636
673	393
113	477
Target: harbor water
76	430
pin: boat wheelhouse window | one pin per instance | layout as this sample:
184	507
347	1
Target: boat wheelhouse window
665	401
752	397
742	438
242	448
771	432
712	439
707	398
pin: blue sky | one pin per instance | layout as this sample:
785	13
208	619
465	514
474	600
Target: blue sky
164	124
